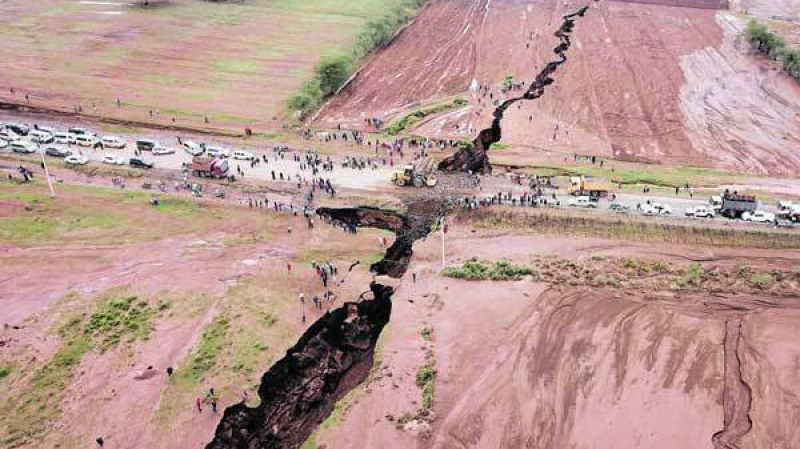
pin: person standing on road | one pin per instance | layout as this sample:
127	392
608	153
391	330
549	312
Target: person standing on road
199	404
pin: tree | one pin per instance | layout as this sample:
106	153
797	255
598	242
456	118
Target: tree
333	71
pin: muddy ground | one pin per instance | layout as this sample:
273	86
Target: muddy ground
569	363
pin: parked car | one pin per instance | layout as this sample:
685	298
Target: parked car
76	159
656	209
57	152
86	140
700	212
113	160
616	207
22	147
46	129
580	201
140	162
113	142
758	216
217	152
146	144
3	144
80	131
243	155
193	148
18	128
162	150
8	135
39	136
64	137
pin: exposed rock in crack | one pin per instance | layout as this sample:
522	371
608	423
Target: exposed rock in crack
333	356
474	157
736	395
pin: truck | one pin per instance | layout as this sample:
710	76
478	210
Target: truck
213	167
582	186
734	204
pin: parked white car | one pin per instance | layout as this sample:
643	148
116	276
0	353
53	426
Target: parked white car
76	159
113	142
22	147
193	148
162	150
656	209
582	201
86	140
64	137
217	152
8	135
700	212
3	144
40	136
758	216
243	155
113	160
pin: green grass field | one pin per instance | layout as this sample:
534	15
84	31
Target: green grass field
235	63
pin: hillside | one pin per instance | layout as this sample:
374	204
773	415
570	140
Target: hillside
645	82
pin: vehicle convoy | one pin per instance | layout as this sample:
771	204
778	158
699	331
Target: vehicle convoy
582	186
734	205
410	176
204	166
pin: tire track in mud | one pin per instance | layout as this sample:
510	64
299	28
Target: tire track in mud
474	158
737	397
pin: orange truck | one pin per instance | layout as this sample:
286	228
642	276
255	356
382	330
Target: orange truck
582	186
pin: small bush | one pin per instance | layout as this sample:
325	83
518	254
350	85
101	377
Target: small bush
502	270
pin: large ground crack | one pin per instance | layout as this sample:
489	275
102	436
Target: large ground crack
474	157
736	396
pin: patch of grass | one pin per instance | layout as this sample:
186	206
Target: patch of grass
501	270
204	357
427	333
610	280
761	280
121	318
500	146
178	207
6	370
426	378
417	116
693	276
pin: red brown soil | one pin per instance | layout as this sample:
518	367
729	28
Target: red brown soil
524	365
623	94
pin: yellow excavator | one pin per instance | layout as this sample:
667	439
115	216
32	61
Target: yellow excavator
410	176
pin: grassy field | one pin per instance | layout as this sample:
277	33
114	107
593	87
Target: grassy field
234	63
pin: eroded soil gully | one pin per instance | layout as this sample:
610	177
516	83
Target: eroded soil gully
737	396
336	353
474	158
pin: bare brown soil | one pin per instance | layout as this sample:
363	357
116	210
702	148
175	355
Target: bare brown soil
553	363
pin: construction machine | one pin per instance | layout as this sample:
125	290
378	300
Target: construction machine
580	186
410	176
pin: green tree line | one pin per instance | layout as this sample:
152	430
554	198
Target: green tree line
773	46
331	72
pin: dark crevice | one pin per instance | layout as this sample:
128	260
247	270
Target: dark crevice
474	158
737	396
332	357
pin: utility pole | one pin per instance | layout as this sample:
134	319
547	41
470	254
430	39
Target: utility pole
46	172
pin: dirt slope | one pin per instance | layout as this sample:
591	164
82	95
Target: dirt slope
635	88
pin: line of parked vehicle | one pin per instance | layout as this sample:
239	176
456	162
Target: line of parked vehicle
731	205
23	139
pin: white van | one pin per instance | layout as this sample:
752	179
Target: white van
582	201
40	136
64	137
85	140
113	142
